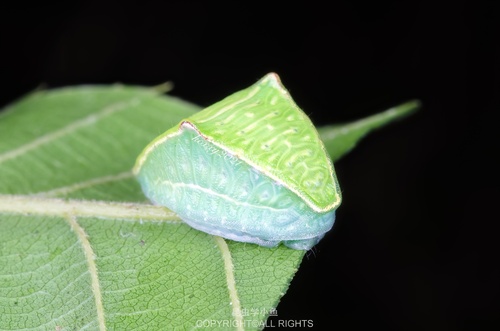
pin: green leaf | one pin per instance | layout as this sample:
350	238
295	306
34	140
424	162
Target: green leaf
339	139
81	248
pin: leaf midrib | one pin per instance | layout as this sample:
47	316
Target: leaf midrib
22	204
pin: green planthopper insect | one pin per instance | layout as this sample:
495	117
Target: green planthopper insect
250	168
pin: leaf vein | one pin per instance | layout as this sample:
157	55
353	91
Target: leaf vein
64	190
70	128
90	258
231	282
23	204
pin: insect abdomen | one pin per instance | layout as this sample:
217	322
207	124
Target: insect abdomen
216	192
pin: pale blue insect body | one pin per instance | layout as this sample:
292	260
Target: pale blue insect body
220	170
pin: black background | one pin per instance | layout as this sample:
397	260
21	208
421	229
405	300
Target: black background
415	245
